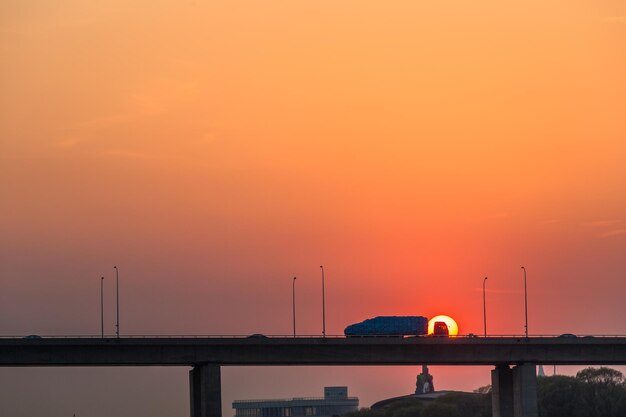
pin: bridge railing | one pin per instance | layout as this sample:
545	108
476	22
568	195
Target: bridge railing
284	336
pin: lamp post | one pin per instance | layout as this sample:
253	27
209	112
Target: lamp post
484	307
323	305
117	295
525	302
293	289
102	307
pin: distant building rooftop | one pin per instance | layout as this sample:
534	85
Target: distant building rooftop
334	403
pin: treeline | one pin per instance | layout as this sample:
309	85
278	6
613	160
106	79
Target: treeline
593	392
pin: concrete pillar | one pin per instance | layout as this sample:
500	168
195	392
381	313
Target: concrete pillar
502	391
205	391
525	391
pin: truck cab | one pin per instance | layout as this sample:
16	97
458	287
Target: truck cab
441	329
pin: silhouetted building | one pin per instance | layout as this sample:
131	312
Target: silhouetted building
334	402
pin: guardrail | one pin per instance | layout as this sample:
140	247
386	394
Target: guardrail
280	336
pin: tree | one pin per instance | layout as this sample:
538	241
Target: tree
605	391
562	396
603	375
592	393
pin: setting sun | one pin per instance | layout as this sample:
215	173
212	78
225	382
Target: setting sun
453	329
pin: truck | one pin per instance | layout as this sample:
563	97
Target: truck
389	326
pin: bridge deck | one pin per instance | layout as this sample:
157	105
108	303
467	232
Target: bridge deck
173	351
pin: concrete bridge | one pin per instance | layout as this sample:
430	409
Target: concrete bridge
514	381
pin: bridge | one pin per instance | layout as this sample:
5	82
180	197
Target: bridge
514	383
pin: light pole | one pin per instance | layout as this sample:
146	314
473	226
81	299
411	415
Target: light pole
484	307
323	305
293	289
102	307
117	295
525	302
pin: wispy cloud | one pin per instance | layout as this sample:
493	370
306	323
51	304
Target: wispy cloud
603	223
153	98
108	121
615	232
551	221
128	154
68	142
606	228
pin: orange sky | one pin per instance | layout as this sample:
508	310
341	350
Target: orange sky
213	150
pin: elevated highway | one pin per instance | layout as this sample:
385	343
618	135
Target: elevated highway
232	351
514	382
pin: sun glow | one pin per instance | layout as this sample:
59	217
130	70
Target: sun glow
453	329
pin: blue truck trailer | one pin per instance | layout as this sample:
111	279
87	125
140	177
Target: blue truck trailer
389	326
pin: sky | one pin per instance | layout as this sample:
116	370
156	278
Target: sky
215	150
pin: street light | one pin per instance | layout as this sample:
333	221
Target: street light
525	302
484	307
102	307
323	305
117	292
294	305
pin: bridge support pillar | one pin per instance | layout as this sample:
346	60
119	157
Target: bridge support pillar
525	391
205	391
514	391
502	391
